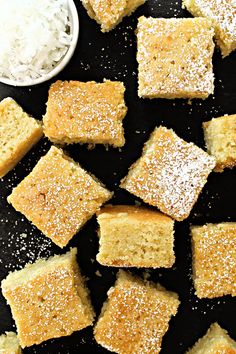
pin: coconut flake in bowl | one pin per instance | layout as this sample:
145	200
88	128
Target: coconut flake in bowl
35	37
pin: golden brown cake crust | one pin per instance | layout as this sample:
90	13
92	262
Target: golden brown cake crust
214	259
58	196
49	304
18	133
109	13
215	341
175	58
170	174
136	316
220	138
106	13
86	112
142	213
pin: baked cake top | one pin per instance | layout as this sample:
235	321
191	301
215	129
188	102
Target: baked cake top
175	57
170	174
109	13
86	112
215	341
214	259
137	212
48	299
58	196
223	14
136	316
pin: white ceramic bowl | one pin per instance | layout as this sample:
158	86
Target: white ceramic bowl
74	19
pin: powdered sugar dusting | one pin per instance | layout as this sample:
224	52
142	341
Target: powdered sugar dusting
79	112
175	58
214	259
110	13
58	196
170	174
136	316
48	299
223	15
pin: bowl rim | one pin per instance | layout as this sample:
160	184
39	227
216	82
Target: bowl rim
64	61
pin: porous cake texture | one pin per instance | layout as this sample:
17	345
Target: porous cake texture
223	16
108	13
135	317
18	133
220	138
216	341
132	236
170	174
86	112
48	299
175	58
58	196
9	344
214	259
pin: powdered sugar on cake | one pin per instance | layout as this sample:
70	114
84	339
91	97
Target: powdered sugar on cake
171	173
223	15
175	58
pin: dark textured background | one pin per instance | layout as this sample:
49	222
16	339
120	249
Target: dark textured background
112	56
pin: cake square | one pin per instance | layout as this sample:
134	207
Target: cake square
108	13
48	299
170	173
216	341
132	236
58	196
86	112
18	133
223	16
220	138
175	58
9	344
214	259
135	317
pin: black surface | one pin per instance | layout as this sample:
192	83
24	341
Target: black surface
112	56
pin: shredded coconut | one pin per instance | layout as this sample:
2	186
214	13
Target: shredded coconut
34	37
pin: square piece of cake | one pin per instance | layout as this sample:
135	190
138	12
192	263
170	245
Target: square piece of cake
170	173
18	133
223	16
220	138
216	341
109	13
214	259
135	317
48	299
86	112
9	344
132	236
58	196
175	58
